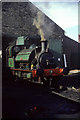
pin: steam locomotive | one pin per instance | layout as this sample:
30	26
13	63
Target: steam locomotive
35	63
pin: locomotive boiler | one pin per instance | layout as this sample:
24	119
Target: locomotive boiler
36	63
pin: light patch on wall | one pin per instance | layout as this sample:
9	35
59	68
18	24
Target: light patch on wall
0	53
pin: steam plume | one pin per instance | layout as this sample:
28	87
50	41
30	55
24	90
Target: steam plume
39	23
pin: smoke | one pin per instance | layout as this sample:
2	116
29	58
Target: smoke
44	27
38	22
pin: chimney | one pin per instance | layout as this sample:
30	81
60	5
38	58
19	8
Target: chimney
43	46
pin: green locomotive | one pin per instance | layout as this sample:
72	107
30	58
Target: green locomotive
34	62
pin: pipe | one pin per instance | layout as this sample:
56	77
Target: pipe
65	62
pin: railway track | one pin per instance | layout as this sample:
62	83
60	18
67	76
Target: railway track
69	94
68	108
37	101
72	92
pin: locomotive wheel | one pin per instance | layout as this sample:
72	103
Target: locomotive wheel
16	78
66	71
46	81
40	72
55	82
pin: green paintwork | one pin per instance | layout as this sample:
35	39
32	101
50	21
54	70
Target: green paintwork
20	40
23	55
26	51
11	62
29	75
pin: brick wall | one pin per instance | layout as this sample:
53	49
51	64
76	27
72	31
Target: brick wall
18	19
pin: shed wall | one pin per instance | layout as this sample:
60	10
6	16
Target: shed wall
71	49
